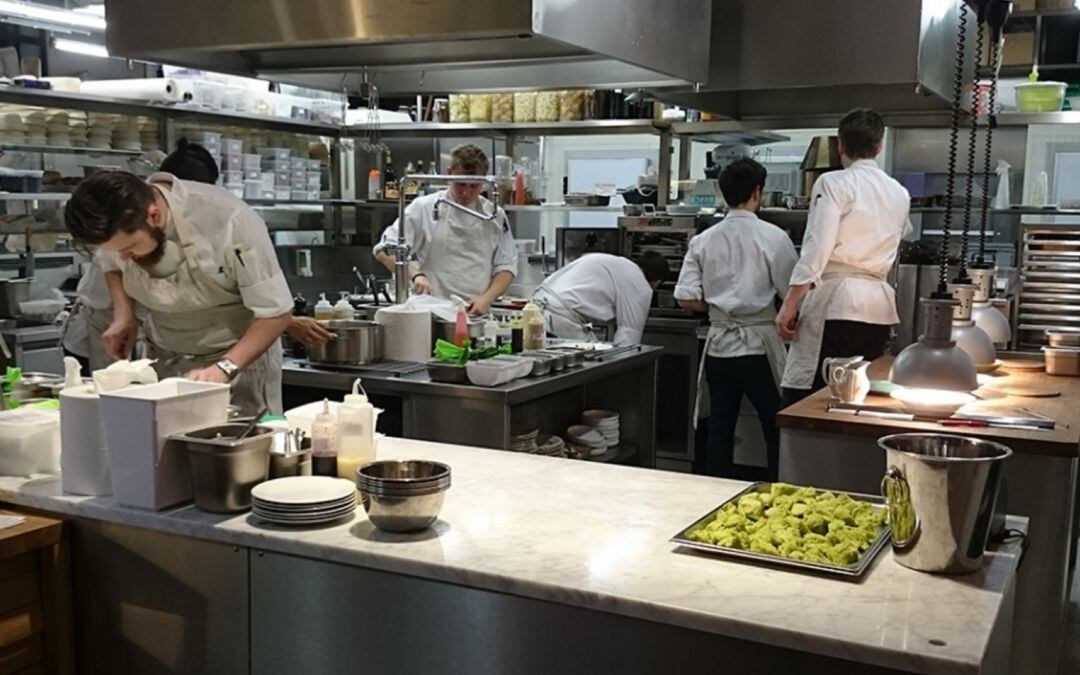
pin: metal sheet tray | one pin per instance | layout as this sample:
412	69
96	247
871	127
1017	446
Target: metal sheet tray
855	570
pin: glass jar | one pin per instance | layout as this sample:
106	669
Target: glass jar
502	108
525	106
547	106
571	105
479	107
459	107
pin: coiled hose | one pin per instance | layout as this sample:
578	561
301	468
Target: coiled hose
954	141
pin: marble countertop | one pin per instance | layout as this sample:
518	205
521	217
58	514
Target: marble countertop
597	536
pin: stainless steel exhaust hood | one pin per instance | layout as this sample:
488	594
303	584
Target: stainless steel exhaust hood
418	46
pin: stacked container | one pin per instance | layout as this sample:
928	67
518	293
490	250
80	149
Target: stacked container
235	176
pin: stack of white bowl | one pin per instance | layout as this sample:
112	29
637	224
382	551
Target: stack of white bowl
58	128
584	441
12	129
78	129
606	422
126	134
99	130
149	133
35	123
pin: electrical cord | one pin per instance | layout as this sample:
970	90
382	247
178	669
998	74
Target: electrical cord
954	141
969	187
996	14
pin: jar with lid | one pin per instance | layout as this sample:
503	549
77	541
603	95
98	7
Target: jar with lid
479	107
502	107
440	110
547	106
459	107
525	106
571	105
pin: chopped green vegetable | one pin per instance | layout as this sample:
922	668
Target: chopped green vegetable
448	351
796	523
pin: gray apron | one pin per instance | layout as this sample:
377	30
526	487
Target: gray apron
721	323
193	322
459	261
802	361
94	323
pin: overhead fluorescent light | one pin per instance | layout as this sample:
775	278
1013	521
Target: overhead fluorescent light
50	18
80	47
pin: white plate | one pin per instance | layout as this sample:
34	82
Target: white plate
314	521
302	510
304	490
304	519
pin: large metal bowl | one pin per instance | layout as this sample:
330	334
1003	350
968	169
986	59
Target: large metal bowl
403	495
355	343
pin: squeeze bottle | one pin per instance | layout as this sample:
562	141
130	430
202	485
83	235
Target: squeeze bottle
342	309
356	432
324	441
324	311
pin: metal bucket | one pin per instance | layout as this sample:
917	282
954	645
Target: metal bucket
940	490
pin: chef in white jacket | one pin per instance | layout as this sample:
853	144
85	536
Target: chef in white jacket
201	262
735	270
457	254
857	218
600	288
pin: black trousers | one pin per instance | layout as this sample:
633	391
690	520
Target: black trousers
729	379
842	338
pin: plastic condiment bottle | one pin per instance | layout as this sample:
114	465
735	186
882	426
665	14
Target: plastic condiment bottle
374	184
324	311
461	327
491	333
324	442
535	333
356	432
343	309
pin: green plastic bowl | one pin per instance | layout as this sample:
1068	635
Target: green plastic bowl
1036	97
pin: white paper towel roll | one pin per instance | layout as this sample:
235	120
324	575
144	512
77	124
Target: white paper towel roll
162	89
84	459
406	333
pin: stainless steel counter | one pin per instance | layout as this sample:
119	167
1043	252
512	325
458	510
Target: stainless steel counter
34	348
418	408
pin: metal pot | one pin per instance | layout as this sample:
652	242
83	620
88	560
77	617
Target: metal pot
941	492
355	343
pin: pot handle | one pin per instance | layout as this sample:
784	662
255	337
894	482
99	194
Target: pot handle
903	521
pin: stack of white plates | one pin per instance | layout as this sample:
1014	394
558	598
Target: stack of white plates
12	129
524	442
34	122
99	130
582	438
125	135
303	500
58	128
148	133
604	421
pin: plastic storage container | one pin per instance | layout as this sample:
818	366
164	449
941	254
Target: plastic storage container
572	105
547	106
479	107
29	441
459	107
1032	97
147	471
502	107
525	106
232	146
252	160
20	180
498	370
232	162
276	154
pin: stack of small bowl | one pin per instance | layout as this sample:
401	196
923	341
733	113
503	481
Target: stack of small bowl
584	441
606	422
525	441
403	495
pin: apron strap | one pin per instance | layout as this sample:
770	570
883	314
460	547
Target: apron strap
183	231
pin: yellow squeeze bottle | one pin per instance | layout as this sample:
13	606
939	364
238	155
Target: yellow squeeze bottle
356	432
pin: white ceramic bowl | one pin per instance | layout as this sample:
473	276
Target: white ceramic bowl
935	402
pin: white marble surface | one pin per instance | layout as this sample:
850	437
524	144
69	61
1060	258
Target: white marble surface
596	536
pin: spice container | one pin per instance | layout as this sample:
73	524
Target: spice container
571	105
547	106
525	106
479	107
502	107
459	107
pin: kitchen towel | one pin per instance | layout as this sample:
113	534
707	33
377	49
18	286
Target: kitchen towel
84	458
154	89
406	333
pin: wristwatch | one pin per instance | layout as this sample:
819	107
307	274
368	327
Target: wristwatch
228	367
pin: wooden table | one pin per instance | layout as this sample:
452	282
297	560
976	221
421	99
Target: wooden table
35	598
837	451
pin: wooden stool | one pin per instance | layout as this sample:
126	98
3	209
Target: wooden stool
35	598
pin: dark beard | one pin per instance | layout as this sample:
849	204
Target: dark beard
152	258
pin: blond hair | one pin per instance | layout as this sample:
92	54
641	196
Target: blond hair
468	160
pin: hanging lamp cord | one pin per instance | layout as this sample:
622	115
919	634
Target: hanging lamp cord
991	124
969	187
954	141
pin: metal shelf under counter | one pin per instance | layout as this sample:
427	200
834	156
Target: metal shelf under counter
418	408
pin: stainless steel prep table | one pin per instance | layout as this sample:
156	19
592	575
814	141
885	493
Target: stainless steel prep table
34	348
485	416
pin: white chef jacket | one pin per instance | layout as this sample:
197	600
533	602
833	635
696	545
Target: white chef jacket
857	217
421	225
92	290
603	287
232	246
738	266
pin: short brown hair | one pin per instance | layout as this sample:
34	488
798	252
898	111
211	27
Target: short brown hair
861	132
469	160
106	203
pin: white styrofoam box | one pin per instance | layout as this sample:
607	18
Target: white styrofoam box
29	441
232	162
147	470
232	146
277	154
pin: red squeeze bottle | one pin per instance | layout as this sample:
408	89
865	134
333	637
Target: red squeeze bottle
519	188
461	328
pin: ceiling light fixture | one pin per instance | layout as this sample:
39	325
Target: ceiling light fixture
50	18
80	47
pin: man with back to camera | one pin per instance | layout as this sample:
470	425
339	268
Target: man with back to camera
857	218
734	271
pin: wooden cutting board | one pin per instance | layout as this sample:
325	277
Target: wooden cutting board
1022	365
1028	391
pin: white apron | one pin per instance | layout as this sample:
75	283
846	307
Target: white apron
459	262
82	331
802	361
762	324
193	322
568	324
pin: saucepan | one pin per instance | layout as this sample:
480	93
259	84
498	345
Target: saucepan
355	343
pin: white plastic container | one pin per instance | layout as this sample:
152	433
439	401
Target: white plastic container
252	160
29	441
231	176
498	370
252	189
232	146
84	454
277	154
204	138
232	163
356	432
147	471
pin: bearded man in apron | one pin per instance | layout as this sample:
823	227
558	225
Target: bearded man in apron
857	218
458	255
734	271
201	262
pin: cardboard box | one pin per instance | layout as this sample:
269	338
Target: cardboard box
1019	49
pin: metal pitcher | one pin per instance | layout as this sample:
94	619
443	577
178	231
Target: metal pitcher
940	490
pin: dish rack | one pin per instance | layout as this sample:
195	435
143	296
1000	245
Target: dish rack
1049	295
